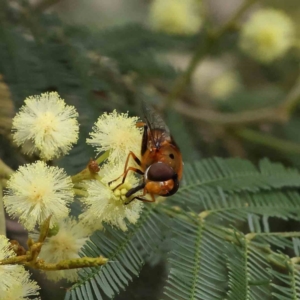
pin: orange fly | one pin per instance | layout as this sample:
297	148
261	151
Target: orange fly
161	160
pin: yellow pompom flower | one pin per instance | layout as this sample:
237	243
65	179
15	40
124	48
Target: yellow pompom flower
64	245
176	16
22	288
118	134
104	205
37	191
7	272
224	85
267	35
46	125
15	281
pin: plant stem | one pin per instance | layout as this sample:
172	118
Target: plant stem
280	113
204	48
15	260
253	235
43	5
31	258
295	260
292	100
80	192
68	264
268	141
44	229
176	211
86	173
229	119
102	157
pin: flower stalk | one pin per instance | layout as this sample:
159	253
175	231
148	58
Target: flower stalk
31	258
89	172
211	40
69	264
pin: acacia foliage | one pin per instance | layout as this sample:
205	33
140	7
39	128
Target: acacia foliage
216	230
221	246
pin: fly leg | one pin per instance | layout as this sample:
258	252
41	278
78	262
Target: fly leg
126	170
140	197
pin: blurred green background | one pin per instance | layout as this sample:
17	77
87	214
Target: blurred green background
103	55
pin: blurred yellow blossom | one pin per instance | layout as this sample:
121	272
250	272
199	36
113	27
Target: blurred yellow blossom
7	272
46	125
105	205
224	85
21	288
37	191
117	133
64	245
176	16
267	35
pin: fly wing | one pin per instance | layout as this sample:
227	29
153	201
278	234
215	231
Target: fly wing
158	129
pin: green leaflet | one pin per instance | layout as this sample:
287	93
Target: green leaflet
242	266
202	179
237	207
232	191
197	266
287	286
284	282
124	251
249	276
208	259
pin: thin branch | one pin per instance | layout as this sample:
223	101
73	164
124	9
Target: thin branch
280	113
44	230
292	99
102	157
80	192
268	141
253	235
88	173
229	119
74	263
44	5
205	47
68	264
31	258
295	260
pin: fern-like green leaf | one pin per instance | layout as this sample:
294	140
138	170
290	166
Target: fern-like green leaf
197	267
249	276
286	284
125	252
238	207
238	273
231	175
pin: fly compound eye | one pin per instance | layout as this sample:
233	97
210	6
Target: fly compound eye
160	172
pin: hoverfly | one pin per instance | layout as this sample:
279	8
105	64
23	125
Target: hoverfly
161	162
